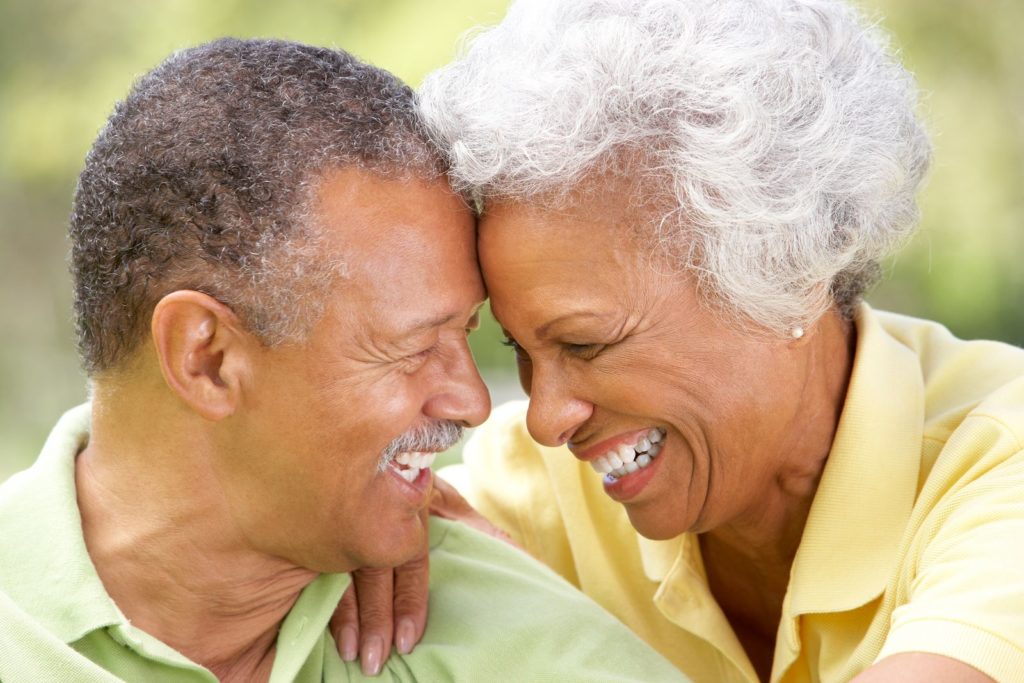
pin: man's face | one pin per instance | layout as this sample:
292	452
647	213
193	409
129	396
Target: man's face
303	473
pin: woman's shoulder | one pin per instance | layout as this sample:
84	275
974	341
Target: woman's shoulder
962	379
504	475
505	429
541	496
503	444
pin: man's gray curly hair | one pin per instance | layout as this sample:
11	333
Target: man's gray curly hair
204	178
782	134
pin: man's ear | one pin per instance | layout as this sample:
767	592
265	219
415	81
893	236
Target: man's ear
203	350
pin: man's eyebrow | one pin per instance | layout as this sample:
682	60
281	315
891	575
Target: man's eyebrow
437	321
428	323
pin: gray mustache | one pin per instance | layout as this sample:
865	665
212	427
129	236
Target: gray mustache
437	436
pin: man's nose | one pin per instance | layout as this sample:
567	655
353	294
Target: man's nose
554	413
464	397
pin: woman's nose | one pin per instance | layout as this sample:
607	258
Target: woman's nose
554	413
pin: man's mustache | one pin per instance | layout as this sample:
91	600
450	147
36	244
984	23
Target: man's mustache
435	436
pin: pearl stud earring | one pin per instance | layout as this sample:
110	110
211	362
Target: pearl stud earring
797	332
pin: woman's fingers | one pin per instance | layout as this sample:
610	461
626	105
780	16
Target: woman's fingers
362	625
448	503
412	590
345	625
382	606
375	601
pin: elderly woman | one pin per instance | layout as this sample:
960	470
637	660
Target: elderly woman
683	202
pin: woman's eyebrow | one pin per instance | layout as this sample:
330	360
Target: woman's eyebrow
544	330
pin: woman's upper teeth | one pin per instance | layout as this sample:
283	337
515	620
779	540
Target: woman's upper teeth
625	459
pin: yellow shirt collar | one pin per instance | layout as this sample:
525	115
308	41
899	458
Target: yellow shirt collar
869	483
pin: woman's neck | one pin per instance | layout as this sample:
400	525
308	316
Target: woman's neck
748	560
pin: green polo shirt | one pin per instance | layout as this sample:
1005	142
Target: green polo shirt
495	614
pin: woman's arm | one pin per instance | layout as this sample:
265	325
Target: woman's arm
921	667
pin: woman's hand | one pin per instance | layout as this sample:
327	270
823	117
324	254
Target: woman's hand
447	503
381	607
389	605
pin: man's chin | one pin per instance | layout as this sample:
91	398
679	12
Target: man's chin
403	542
410	545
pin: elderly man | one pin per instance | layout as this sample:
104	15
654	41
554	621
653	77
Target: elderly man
273	288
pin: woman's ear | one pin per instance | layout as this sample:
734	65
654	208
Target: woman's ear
203	351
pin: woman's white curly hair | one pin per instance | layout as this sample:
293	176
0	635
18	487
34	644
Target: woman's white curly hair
783	133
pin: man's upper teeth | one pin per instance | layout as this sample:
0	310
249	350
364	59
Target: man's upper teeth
413	462
626	459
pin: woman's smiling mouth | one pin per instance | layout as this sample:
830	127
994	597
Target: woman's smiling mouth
628	458
626	461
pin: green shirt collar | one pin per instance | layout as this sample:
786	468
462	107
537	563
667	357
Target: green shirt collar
52	577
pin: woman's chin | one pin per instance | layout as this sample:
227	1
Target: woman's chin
651	522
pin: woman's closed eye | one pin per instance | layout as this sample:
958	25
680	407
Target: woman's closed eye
583	351
508	341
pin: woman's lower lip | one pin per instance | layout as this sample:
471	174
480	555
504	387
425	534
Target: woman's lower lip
628	487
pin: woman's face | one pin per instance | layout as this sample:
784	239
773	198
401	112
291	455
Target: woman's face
616	352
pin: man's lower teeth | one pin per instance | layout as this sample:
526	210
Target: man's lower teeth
409	475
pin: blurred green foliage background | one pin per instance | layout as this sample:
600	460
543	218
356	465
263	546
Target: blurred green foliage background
63	64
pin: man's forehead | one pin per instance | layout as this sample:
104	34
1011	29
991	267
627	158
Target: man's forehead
363	213
340	188
409	248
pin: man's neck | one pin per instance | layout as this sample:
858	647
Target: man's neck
163	544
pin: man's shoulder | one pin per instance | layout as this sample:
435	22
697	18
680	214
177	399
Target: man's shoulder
48	582
496	613
30	651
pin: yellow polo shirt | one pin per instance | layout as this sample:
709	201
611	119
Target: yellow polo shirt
915	539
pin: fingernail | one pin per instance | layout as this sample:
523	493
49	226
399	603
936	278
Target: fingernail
404	636
370	657
349	643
